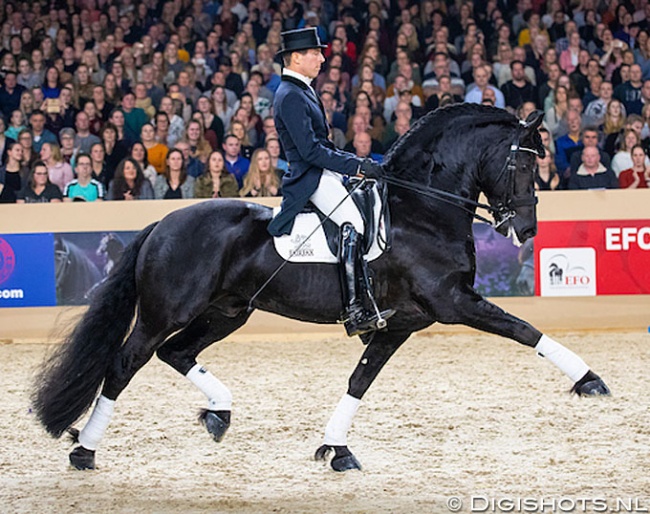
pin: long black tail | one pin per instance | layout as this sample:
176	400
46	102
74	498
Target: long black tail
68	383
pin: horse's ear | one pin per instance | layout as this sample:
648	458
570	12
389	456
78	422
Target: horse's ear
534	120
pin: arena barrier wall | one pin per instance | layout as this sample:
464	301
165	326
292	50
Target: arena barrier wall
599	312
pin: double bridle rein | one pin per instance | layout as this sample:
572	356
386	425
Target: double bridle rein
503	211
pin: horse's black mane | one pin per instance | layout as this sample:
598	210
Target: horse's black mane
415	146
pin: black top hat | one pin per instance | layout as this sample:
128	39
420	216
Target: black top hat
300	39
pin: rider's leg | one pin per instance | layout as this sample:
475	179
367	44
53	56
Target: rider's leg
329	194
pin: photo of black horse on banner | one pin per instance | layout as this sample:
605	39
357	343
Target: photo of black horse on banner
196	276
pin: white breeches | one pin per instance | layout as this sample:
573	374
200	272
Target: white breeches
329	194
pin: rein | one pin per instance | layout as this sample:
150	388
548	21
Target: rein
502	212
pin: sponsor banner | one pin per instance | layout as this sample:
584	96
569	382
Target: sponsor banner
83	260
621	252
39	270
502	269
27	270
567	271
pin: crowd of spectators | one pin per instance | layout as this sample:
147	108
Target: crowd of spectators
138	99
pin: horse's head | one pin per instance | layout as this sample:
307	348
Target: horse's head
515	202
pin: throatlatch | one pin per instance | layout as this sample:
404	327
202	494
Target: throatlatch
355	282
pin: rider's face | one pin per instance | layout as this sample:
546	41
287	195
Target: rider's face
309	64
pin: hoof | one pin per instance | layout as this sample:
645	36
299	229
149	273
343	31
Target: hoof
216	423
591	385
343	459
81	458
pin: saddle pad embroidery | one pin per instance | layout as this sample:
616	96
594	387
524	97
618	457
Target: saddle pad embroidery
315	249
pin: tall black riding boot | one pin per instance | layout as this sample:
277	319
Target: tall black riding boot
357	320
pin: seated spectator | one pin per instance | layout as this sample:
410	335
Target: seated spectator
175	183
629	92
17	123
613	125
27	103
139	154
262	179
589	138
40	134
211	122
272	145
569	58
29	155
568	141
104	108
556	115
518	90
235	163
156	152
592	174
39	189
362	143
546	177
638	176
481	82
59	171
95	122
134	117
397	129
10	94
194	166
216	182
443	89
129	182
221	106
143	101
11	173
98	165
84	140
51	85
622	160
200	149
246	149
84	188
596	109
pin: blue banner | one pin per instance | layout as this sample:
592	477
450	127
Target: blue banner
27	270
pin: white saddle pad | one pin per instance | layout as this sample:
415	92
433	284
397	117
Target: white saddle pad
300	247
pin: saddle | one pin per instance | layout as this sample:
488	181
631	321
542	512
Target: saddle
316	239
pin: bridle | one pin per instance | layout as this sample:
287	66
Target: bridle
502	211
505	209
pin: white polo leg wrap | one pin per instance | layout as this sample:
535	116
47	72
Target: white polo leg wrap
336	431
219	396
94	430
568	362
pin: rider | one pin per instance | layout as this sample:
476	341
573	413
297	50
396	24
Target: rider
317	167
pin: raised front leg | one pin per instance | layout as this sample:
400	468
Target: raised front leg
382	348
474	311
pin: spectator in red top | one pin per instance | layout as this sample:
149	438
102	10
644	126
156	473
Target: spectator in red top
638	176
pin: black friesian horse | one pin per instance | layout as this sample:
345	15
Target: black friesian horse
188	280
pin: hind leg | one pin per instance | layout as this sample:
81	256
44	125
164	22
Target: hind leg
180	353
376	355
135	353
